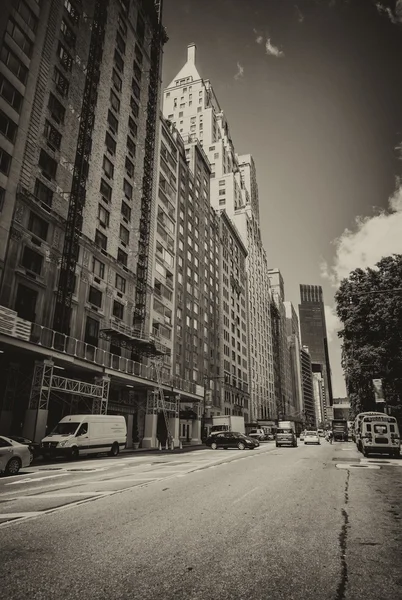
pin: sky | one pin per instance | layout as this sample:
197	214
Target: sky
313	90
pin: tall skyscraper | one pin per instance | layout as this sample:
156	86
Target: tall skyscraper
190	103
308	388
314	334
293	333
79	118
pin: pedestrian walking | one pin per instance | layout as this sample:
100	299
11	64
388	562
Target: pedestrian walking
330	435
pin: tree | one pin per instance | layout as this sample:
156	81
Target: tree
369	305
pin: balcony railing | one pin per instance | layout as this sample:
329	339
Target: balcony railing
48	338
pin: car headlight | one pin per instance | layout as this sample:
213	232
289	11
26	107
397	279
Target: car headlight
65	443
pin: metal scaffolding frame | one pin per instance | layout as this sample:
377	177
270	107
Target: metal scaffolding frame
156	402
44	382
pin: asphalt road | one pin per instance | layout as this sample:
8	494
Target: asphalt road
305	523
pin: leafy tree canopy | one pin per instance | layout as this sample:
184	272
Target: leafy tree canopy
369	305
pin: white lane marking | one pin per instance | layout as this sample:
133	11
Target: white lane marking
354	466
34	479
244	495
19	515
126	479
63	495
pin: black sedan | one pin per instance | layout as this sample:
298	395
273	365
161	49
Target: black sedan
231	439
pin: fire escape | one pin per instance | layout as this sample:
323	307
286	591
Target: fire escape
78	189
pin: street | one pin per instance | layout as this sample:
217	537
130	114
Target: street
295	523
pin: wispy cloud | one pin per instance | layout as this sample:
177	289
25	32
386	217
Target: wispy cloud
394	16
260	38
272	50
299	14
240	71
372	238
332	322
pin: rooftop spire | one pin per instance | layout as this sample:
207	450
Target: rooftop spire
191	53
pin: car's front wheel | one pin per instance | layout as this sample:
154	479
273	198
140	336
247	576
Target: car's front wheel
214	446
13	466
241	446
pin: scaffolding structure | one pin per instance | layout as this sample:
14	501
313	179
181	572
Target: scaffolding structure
157	402
82	157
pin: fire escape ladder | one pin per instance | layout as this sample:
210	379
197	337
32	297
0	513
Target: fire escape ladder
78	188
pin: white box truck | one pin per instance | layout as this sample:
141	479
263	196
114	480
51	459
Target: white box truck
77	435
286	434
228	423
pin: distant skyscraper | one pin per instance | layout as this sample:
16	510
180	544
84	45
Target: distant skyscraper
314	333
307	386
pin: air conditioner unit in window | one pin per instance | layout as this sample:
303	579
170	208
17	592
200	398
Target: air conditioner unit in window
46	176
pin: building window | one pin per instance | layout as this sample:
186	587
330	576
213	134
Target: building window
56	109
128	189
7	127
129	167
19	37
10	94
48	165
25	303
98	268
66	60
106	191
120	283
110	143
14	64
114	101
72	11
120	43
132	126
125	210
116	81
121	21
131	146
91	331
108	167
38	226
134	107
136	89
137	72
27	15
119	62
100	239
122	257
68	34
31	260
138	55
118	310
113	122
61	82
124	234
95	296
52	135
43	193
103	216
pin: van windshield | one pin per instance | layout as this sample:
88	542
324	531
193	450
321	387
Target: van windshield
285	430
65	428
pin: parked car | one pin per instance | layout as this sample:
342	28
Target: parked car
258	434
34	447
231	439
13	456
312	437
302	436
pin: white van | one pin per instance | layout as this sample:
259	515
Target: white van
380	434
77	435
